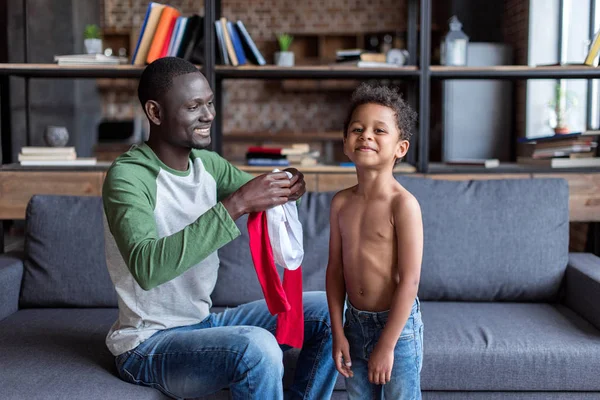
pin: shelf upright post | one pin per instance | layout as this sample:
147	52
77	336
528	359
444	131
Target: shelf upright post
411	36
210	16
424	86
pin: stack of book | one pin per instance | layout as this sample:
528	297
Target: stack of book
234	44
561	151
296	154
52	156
165	32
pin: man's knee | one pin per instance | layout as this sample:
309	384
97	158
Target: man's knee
315	307
261	350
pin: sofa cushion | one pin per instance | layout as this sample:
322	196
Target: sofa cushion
60	354
508	347
492	240
237	282
64	246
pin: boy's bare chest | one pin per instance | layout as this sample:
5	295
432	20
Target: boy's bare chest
370	223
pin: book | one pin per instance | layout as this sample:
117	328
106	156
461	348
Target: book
482	162
593	52
249	45
153	15
163	33
228	43
561	162
237	43
47	157
47	150
84	161
222	47
89	59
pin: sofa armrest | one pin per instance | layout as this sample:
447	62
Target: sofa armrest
582	286
11	273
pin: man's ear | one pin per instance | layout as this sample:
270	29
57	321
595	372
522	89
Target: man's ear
402	148
154	112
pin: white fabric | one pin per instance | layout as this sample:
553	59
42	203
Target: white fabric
285	234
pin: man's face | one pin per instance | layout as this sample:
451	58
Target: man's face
188	112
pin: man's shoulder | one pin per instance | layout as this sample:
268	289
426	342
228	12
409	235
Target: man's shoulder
133	165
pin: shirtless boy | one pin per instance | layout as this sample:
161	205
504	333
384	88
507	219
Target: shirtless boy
375	252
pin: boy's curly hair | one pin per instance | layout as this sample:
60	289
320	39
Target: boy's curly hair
386	96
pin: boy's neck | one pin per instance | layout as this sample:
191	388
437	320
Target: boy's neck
374	181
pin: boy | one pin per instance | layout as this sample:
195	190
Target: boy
375	252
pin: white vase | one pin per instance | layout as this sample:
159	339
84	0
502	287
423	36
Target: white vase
93	46
284	58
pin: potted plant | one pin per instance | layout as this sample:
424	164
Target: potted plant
92	41
284	57
560	107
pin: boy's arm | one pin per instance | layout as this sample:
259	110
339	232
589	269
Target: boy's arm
409	232
336	292
335	285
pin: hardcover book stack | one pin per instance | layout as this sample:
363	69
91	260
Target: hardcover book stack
52	156
296	154
562	151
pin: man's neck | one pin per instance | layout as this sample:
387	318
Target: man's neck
173	157
373	181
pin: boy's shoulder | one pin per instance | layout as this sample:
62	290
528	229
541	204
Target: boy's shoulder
404	202
340	197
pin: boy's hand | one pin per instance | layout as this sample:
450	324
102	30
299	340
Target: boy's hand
298	187
341	356
380	365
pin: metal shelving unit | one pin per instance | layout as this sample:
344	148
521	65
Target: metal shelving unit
419	74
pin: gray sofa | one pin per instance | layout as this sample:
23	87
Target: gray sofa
508	312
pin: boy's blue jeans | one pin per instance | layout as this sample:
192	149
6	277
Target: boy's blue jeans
363	329
235	349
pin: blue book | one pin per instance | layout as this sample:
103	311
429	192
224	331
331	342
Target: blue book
237	43
249	44
137	46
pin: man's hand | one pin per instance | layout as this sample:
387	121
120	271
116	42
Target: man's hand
261	193
298	187
380	365
341	356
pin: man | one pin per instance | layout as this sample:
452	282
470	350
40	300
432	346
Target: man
170	206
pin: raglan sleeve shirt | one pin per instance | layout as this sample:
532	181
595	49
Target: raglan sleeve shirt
129	198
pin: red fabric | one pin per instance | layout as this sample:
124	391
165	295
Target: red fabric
284	300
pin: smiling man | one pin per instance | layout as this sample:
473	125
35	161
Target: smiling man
170	205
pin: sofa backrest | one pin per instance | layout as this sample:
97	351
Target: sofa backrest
489	240
64	262
496	240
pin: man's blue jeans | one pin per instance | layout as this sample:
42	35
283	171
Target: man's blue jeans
363	329
235	349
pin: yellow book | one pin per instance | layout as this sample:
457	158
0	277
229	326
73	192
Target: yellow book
594	48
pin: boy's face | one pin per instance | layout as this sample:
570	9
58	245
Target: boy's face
373	138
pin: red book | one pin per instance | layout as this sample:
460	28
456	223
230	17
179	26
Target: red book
265	150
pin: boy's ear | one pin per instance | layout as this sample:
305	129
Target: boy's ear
153	111
402	148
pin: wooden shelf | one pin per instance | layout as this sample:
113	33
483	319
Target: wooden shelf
323	169
515	72
314	72
285	136
504	168
71	71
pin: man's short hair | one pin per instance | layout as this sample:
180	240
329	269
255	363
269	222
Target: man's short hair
388	97
157	77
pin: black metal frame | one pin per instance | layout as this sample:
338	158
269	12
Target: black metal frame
418	74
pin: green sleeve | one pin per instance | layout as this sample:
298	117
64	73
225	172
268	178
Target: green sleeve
228	177
129	201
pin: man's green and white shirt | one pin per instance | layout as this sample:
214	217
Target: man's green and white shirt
168	226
